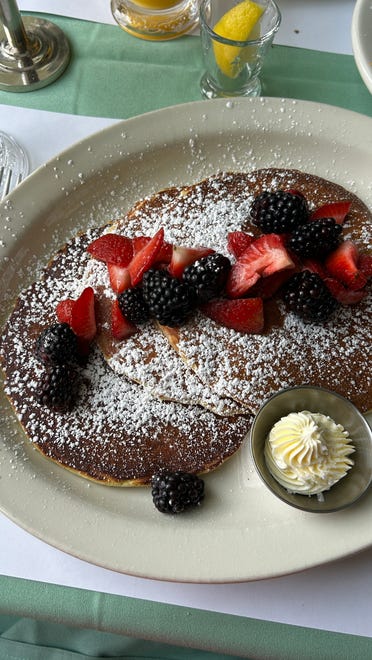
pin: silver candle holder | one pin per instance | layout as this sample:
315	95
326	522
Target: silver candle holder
33	51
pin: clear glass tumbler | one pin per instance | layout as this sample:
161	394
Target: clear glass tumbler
232	67
156	20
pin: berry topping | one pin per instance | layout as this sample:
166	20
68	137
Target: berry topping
342	294
184	256
57	388
119	277
64	310
244	314
207	276
164	255
343	265
57	344
146	257
307	296
279	212
112	248
121	328
336	210
175	492
170	301
83	321
237	242
133	306
316	239
265	256
365	264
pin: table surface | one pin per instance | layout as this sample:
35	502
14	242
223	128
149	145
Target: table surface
327	606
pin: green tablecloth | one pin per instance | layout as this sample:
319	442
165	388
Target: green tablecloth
112	74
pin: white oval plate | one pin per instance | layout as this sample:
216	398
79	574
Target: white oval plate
361	39
242	532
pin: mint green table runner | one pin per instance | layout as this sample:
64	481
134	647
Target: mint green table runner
114	75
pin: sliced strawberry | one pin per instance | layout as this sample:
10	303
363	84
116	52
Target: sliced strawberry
342	264
165	252
112	248
83	320
266	287
119	277
139	242
146	257
120	326
264	256
185	256
244	315
343	295
64	310
336	210
315	267
365	264
237	242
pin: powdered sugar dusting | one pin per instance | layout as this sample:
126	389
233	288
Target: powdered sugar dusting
130	434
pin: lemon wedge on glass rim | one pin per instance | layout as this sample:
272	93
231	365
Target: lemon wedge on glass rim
237	24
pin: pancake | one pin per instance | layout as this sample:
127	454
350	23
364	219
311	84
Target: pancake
117	433
147	358
249	368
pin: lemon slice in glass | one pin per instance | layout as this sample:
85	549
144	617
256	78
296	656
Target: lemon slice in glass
237	25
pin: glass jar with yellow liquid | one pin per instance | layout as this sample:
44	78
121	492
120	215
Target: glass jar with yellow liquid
156	20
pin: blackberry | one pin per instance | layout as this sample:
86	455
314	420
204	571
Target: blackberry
207	276
316	239
306	295
133	306
174	492
57	388
57	344
279	211
170	301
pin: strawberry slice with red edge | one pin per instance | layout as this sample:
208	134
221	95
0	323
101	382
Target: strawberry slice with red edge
243	315
264	256
315	267
83	319
338	290
165	252
146	257
237	242
64	310
342	294
342	264
267	287
121	328
185	256
336	210
112	248
119	277
365	264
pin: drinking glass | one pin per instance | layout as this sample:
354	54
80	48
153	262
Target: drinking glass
232	68
156	20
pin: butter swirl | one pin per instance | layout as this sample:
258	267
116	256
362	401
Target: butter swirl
308	452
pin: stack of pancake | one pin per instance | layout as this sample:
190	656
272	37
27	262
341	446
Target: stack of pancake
181	398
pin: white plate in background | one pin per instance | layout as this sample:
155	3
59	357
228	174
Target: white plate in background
361	36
